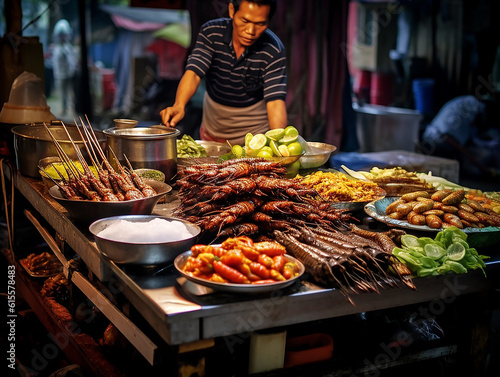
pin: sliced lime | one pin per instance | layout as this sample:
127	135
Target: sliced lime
283	150
258	141
287	139
409	240
274	148
434	251
275	134
248	137
456	251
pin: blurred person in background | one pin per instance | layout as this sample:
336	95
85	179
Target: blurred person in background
64	63
466	128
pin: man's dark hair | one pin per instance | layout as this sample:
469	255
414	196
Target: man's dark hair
271	3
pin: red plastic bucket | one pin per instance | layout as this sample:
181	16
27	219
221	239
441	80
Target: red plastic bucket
382	89
361	86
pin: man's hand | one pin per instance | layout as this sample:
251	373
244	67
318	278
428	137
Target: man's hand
172	115
186	89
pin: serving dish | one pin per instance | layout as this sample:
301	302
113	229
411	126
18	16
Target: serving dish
86	211
355	206
214	151
31	273
214	148
180	262
317	156
141	253
476	236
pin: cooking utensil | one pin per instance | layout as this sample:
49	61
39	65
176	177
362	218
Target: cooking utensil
32	143
317	156
150	253
125	123
86	211
152	147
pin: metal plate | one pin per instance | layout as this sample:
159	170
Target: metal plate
180	262
376	209
353	206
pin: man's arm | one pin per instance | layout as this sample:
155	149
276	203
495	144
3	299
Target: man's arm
187	88
276	114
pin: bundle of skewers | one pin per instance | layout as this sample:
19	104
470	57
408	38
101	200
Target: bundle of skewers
108	185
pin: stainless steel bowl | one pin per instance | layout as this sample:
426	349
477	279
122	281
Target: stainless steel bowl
33	143
214	148
147	254
214	151
319	155
86	211
152	147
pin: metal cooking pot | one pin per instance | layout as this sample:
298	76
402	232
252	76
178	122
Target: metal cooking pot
32	143
152	147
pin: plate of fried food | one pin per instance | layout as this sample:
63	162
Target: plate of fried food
42	265
342	191
394	181
239	265
424	212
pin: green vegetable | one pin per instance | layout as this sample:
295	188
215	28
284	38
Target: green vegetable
447	252
187	147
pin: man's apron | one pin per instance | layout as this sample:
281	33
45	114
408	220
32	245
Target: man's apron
221	123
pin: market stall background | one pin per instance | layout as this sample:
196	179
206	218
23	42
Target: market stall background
333	48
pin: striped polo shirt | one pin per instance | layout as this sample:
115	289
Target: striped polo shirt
259	73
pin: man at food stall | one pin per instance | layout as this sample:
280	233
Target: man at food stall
244	67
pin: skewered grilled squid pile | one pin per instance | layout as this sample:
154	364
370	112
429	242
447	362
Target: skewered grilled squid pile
355	260
251	197
109	185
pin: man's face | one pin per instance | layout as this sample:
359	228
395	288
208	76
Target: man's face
249	22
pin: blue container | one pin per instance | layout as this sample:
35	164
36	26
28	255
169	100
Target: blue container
423	93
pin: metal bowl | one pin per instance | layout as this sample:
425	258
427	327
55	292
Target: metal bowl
146	254
32	143
214	151
152	147
125	123
86	211
319	155
214	148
